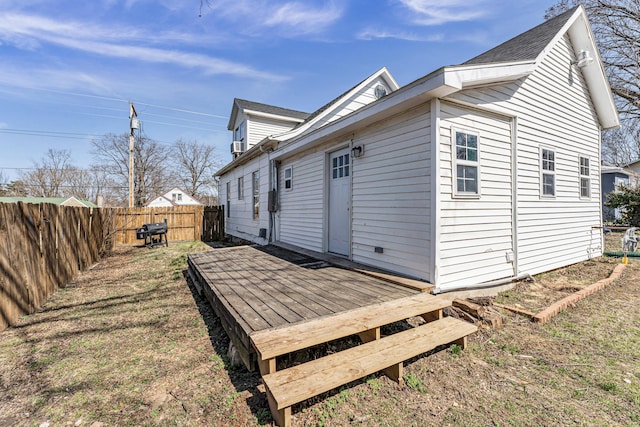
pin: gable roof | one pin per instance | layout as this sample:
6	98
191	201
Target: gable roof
383	72
506	64
244	105
526	46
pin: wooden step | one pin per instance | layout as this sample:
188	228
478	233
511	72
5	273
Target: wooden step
365	321
296	384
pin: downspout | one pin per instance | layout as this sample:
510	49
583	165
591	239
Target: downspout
514	194
483	285
435	192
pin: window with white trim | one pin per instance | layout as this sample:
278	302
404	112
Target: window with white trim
585	178
256	194
240	187
466	164
340	166
288	178
228	199
548	172
239	133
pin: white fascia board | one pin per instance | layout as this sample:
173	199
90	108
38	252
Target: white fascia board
582	39
418	92
260	148
278	117
439	84
483	74
381	73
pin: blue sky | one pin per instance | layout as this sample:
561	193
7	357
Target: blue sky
69	68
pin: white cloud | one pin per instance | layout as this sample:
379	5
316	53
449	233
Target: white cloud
286	18
30	32
303	18
376	34
437	12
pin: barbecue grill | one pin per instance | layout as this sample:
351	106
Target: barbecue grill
152	234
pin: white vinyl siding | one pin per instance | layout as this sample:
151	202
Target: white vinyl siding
391	194
358	100
259	127
475	234
554	111
301	208
241	223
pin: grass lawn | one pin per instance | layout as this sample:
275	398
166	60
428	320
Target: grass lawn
129	343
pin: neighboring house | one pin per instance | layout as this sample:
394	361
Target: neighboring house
62	201
173	197
474	173
633	169
612	177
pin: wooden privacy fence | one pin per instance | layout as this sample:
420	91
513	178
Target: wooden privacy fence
42	248
213	224
184	222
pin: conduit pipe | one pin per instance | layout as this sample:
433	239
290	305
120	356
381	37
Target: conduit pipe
483	285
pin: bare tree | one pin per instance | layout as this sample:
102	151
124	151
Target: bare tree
195	165
79	183
3	183
16	188
48	176
151	170
616	27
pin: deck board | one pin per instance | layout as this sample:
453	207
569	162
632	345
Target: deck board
262	291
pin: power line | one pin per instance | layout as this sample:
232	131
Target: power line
108	98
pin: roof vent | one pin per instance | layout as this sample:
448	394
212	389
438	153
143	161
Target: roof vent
380	91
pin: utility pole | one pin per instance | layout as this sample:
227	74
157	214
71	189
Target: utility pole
133	124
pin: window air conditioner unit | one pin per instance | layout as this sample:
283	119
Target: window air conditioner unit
237	147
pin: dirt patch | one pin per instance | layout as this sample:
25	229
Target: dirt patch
547	288
130	343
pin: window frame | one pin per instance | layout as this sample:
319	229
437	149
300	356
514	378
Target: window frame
255	191
287	180
241	187
465	163
582	176
240	132
228	199
548	172
341	166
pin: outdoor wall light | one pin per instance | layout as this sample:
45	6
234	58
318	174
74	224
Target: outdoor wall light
584	59
357	151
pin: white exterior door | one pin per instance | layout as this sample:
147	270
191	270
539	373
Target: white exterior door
339	234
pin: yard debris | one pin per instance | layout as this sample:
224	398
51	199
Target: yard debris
476	313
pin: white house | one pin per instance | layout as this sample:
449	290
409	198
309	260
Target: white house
474	173
173	197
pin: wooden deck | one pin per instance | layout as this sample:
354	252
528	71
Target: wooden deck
253	290
273	302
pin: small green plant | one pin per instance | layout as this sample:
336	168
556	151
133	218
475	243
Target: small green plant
263	416
455	349
415	383
375	384
609	386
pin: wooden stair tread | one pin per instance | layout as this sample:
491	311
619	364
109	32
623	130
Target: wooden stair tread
301	382
271	343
